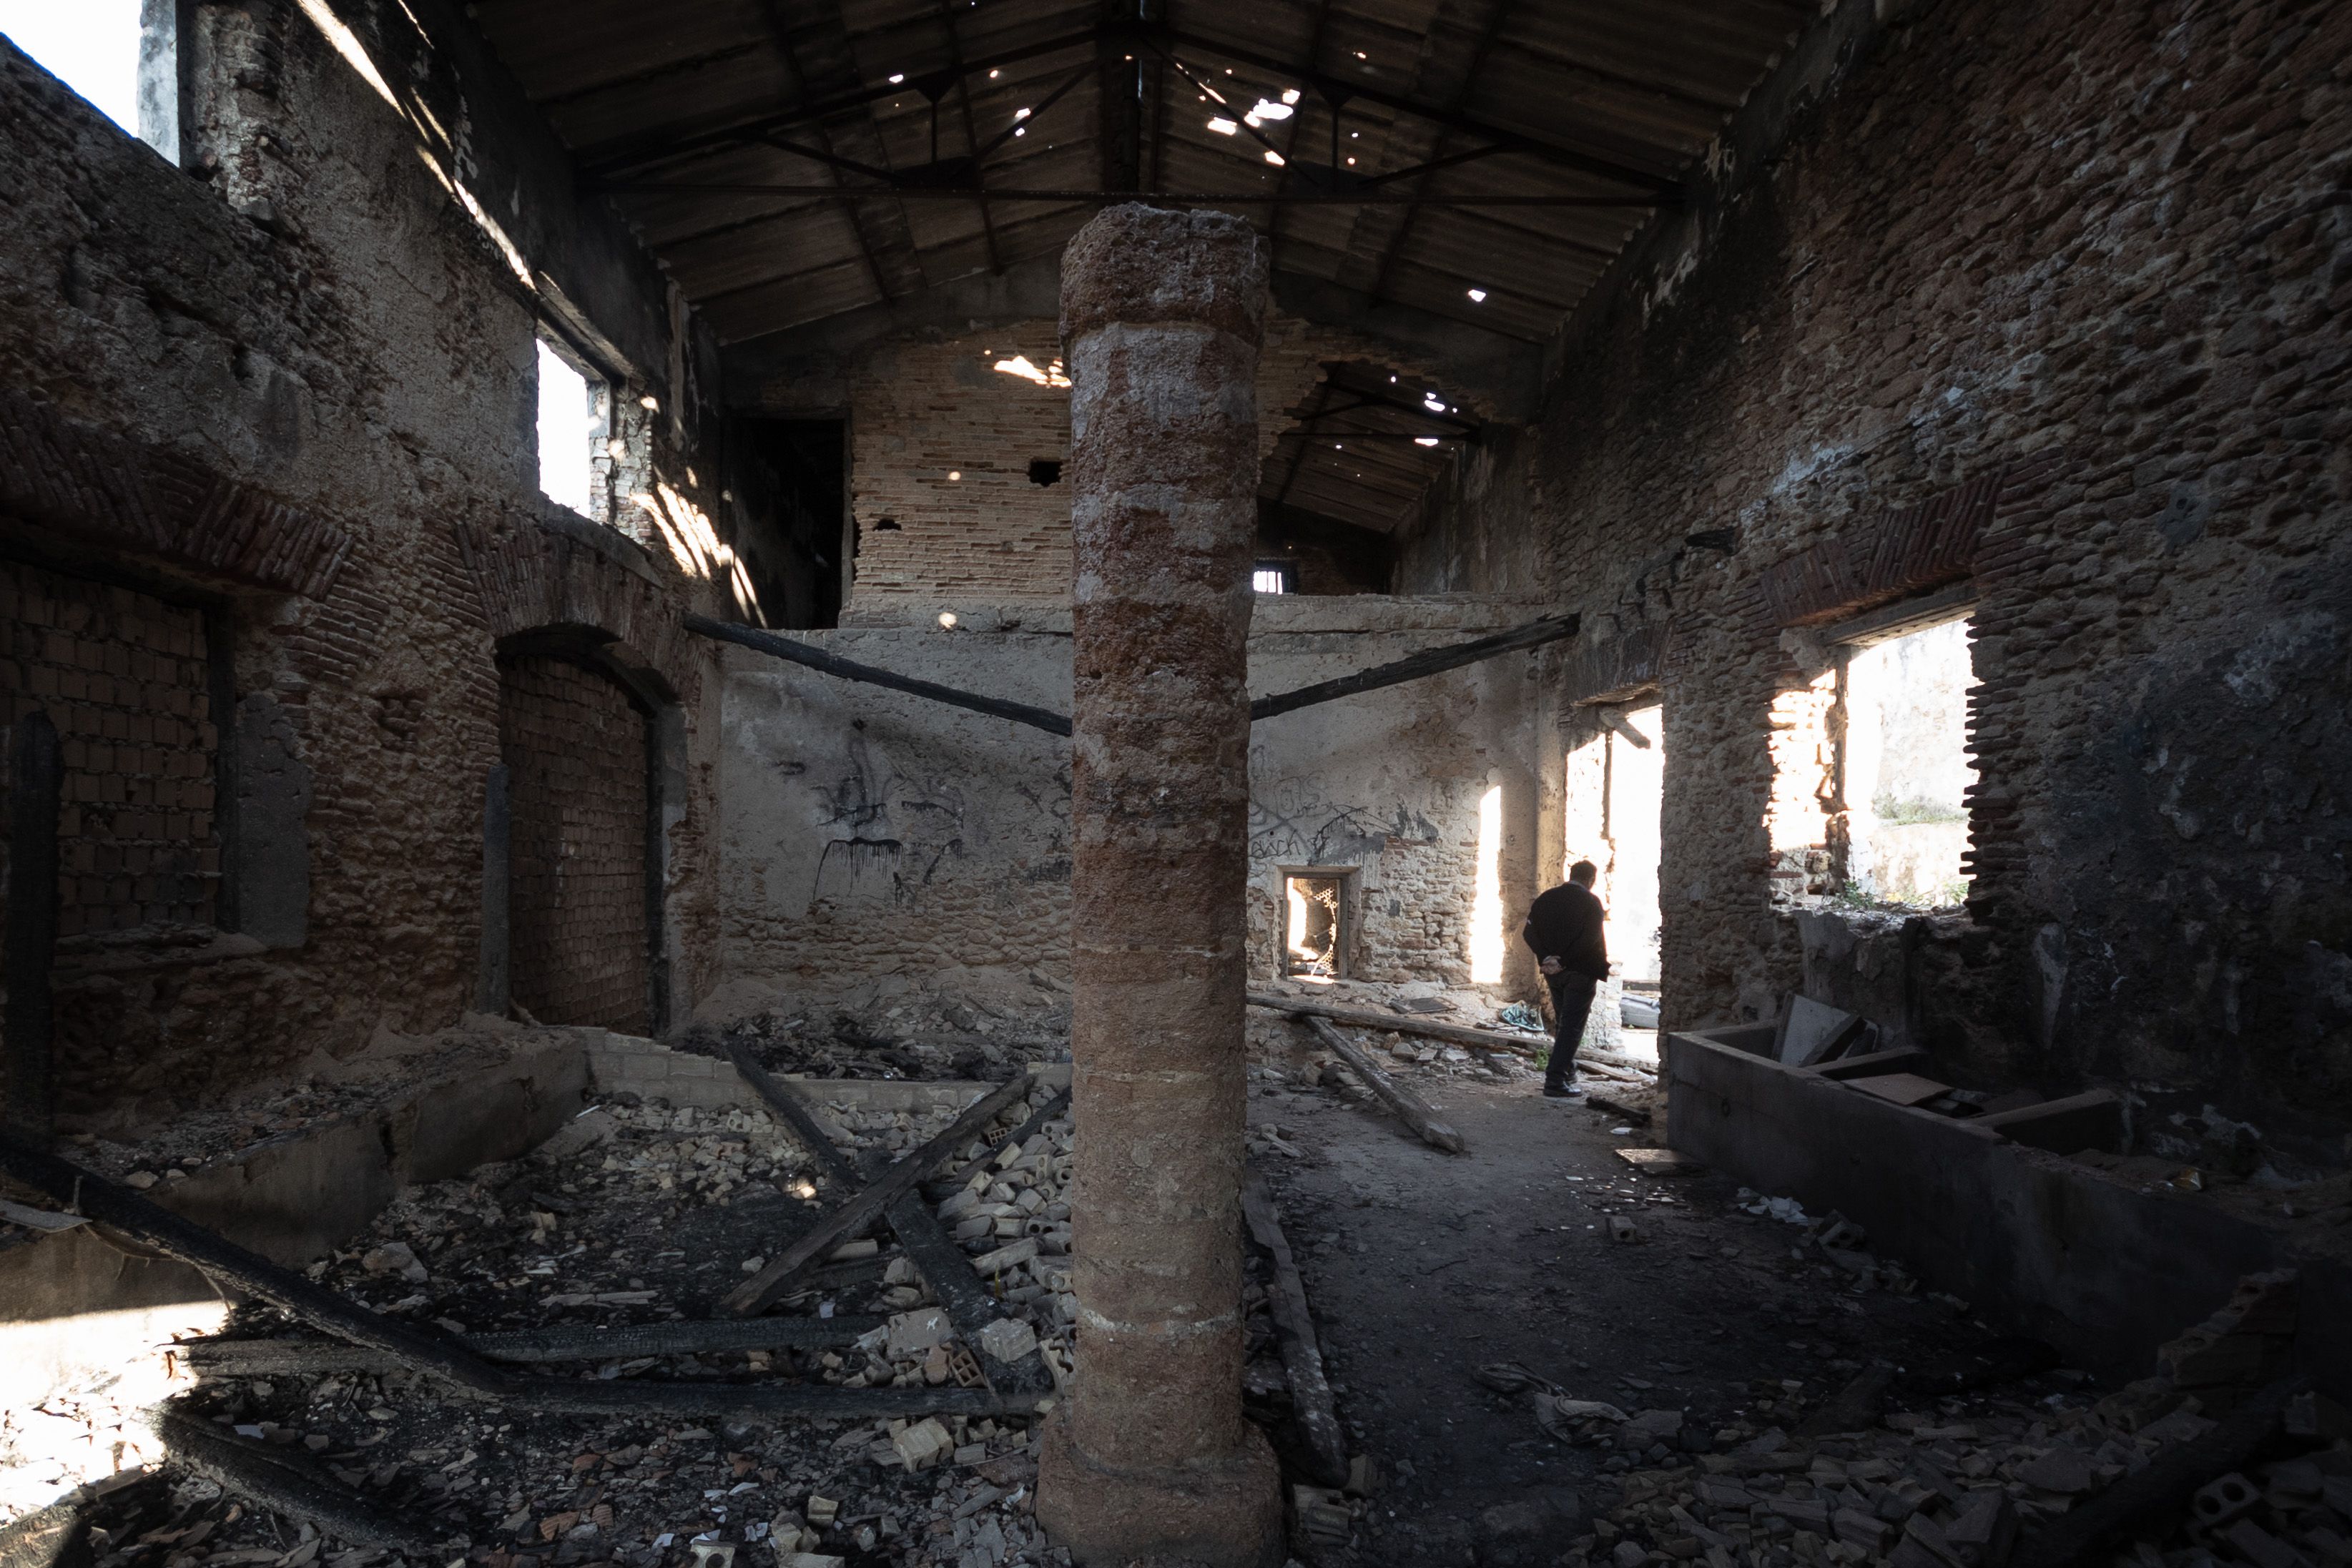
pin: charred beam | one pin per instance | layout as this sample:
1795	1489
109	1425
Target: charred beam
849	670
864	1208
1435	661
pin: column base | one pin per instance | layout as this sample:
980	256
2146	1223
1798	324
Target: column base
1223	1516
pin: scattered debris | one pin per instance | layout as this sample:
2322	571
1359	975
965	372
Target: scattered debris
1660	1162
1410	1107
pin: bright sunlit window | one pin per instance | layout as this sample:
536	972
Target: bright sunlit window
91	45
1486	892
1271	579
567	425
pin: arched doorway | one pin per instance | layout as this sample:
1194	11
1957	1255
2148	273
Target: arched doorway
577	746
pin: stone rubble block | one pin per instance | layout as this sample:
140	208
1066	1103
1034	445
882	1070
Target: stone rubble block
1008	1339
913	1332
921	1444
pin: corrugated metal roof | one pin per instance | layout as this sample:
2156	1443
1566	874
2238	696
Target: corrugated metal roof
720	126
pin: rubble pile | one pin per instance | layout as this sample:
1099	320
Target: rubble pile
1979	1483
326	1089
641	1213
1954	1488
959	1027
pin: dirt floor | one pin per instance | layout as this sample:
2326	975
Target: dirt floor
1423	1266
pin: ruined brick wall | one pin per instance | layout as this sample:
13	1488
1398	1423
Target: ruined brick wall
941	443
2093	261
289	388
575	751
941	446
125	678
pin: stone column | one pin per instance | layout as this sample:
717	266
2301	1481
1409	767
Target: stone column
1150	1459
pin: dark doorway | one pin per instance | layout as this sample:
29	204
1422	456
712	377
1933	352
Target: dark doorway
788	497
579	756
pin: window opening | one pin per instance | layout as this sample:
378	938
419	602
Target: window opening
100	49
1313	942
1903	765
571	417
785	518
1637	792
1273	577
1045	470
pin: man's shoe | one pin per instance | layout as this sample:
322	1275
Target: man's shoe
1571	1093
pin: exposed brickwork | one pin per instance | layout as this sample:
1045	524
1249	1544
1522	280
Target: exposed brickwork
300	417
123	676
2072	278
574	748
921	412
122	492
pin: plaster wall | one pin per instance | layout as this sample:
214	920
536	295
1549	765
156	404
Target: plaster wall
2051	297
870	833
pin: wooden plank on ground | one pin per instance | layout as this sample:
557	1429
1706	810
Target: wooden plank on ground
1302	1357
1451	1033
1410	1107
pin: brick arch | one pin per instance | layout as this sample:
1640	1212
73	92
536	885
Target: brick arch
560	595
538	573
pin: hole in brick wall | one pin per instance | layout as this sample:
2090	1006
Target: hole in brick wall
1905	766
1314	926
1045	470
887	526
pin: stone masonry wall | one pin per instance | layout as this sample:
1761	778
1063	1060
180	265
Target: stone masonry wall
296	381
2051	297
871	834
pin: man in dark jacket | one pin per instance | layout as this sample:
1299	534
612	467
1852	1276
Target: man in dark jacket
1563	931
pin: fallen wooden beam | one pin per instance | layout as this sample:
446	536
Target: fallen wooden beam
1435	661
1421	1024
944	1267
275	1357
850	670
1302	1357
1409	1106
271	1480
78	1191
863	1209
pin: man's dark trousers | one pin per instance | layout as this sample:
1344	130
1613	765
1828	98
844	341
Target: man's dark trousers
1572	1004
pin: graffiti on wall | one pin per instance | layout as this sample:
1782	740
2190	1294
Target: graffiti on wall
887	832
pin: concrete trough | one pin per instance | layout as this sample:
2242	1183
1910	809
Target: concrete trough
2100	1266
